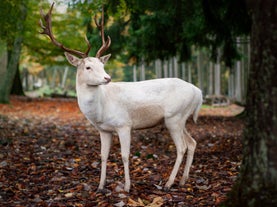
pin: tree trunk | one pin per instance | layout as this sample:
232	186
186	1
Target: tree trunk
231	84
142	70
158	68
175	67
238	81
13	59
3	60
217	86
245	71
189	73
17	88
165	68
170	67
64	77
257	183
211	79
183	65
199	70
54	77
134	73
238	75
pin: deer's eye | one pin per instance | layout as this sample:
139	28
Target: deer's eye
88	68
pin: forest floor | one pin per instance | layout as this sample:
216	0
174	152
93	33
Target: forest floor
50	156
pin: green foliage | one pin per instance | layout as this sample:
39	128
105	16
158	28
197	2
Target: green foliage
139	30
67	28
226	20
12	15
8	9
151	29
170	28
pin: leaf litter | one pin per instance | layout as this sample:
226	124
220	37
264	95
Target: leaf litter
50	156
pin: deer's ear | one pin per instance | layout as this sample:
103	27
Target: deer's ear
105	58
73	60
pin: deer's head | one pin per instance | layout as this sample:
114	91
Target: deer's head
90	70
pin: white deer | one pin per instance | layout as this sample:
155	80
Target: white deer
122	106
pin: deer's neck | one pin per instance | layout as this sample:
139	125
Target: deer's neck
90	101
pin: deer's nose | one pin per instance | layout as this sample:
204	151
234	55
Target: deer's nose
108	79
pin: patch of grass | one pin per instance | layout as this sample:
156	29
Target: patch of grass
204	106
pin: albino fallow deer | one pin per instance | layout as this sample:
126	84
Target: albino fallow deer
122	106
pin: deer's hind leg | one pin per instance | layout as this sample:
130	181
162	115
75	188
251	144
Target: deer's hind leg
175	128
191	145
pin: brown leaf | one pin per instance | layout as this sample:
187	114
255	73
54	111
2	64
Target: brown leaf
50	156
131	202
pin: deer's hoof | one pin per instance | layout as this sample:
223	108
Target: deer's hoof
166	189
182	183
103	191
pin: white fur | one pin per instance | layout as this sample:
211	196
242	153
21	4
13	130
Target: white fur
122	106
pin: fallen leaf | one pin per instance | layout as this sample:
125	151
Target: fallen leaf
157	202
203	187
120	204
131	202
47	160
68	195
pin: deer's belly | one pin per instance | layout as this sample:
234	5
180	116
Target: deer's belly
146	117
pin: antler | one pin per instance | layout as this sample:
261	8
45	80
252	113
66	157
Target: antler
105	44
47	29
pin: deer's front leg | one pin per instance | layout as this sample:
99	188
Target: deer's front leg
106	140
125	141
